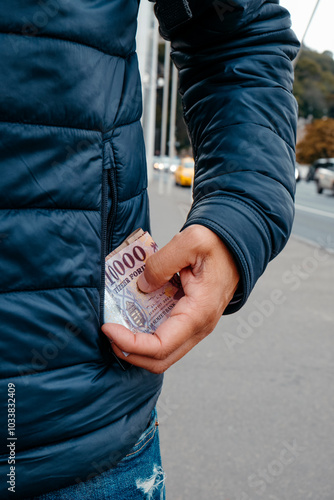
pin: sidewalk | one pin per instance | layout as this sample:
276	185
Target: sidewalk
249	413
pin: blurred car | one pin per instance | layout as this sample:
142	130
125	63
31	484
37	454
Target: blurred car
165	163
297	174
321	163
184	174
173	164
324	178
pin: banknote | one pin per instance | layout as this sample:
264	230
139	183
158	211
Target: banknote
125	304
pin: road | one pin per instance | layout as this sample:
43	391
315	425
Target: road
249	413
314	219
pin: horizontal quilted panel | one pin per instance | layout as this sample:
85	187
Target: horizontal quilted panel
57	82
73	410
109	26
49	167
49	249
54	328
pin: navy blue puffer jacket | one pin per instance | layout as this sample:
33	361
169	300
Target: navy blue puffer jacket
73	185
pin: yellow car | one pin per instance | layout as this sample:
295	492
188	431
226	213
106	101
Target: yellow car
184	174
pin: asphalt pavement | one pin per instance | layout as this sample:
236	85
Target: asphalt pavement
314	218
249	413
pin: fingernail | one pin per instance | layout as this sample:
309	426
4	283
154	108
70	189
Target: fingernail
143	284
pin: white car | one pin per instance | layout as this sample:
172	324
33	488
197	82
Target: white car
324	178
165	163
297	174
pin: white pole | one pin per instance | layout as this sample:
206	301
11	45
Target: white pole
142	42
305	33
147	49
172	152
150	135
164	115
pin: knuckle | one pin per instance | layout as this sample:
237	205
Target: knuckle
149	265
202	238
152	266
196	234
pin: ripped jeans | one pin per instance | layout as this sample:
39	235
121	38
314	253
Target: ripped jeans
138	476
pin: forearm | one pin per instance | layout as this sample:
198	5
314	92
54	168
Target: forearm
236	81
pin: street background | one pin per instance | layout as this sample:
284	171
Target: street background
248	413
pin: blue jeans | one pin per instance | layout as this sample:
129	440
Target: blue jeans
138	476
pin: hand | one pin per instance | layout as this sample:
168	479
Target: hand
209	278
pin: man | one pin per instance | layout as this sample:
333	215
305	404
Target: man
73	186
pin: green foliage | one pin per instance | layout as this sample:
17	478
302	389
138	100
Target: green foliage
314	84
318	141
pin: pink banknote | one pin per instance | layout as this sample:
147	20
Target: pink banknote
125	304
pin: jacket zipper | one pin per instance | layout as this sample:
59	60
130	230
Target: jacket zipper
104	230
108	219
111	216
108	223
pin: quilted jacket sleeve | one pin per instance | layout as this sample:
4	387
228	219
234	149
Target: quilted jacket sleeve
236	77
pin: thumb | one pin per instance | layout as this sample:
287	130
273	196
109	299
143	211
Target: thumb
161	266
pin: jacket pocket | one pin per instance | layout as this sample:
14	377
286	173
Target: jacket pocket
108	213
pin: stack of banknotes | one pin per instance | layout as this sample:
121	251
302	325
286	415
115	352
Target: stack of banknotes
125	304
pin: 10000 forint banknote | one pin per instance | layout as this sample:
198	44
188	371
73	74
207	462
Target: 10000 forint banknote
125	304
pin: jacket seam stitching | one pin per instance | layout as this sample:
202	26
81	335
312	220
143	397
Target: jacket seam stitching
69	40
132	197
204	137
32	124
254	172
70	438
112	129
40	372
266	33
98	131
54	209
36	290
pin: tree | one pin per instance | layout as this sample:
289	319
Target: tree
318	141
314	84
